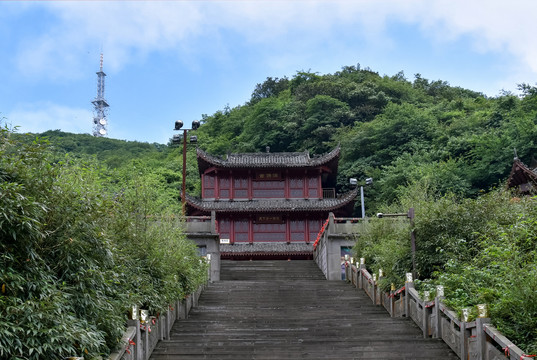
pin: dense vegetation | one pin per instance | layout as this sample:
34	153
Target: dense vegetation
79	244
482	250
390	128
428	145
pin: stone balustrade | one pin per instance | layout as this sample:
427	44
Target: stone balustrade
141	337
477	339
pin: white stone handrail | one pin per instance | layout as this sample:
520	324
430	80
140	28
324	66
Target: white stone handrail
477	339
140	339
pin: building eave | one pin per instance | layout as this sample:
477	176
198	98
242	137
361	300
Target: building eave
272	205
267	160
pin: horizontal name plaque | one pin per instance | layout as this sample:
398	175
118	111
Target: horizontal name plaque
269	219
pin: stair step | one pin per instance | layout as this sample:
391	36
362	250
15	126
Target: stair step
287	310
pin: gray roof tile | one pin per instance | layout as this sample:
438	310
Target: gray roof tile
261	248
268	160
270	205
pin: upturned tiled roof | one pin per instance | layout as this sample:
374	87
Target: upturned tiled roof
521	174
271	205
266	160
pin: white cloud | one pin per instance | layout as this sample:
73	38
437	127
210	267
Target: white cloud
130	30
122	29
495	26
41	117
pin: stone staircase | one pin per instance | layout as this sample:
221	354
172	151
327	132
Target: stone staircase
287	310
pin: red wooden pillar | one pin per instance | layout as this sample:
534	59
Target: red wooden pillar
305	188
251	229
216	185
319	184
231	230
231	192
287	191
307	226
250	185
288	229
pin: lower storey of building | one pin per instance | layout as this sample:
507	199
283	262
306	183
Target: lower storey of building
278	228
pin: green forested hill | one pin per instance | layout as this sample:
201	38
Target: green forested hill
111	152
391	128
163	160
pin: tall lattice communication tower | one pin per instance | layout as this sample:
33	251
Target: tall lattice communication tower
100	106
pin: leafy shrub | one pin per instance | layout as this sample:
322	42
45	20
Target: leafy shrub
385	244
79	245
482	250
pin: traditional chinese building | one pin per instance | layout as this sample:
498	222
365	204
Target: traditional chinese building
523	178
269	205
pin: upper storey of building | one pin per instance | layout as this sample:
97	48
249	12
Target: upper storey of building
288	175
282	160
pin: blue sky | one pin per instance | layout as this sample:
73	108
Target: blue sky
170	60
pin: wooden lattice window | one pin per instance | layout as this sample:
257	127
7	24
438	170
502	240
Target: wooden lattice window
240	188
209	186
269	232
298	230
224	187
241	230
313	187
296	188
268	189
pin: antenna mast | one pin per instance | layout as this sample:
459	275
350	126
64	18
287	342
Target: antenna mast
100	106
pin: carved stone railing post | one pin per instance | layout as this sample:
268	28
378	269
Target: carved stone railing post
438	314
378	293
360	274
426	315
178	309
138	350
481	336
181	309
374	289
392	300
464	340
166	332
409	284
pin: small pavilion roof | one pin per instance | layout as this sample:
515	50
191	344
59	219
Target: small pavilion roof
268	160
272	205
521	174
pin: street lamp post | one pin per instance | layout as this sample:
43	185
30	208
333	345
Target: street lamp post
368	181
178	126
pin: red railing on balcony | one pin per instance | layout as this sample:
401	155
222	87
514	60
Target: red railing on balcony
329	193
